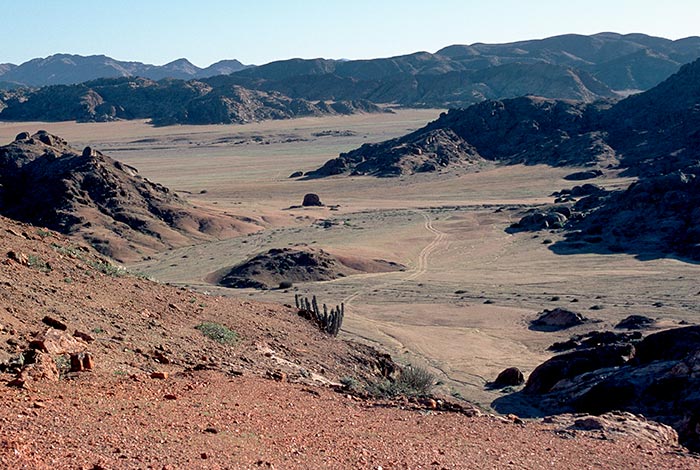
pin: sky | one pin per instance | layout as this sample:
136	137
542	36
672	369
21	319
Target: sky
261	31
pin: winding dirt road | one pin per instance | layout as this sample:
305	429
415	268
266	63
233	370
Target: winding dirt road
422	263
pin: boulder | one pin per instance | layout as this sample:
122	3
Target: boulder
311	200
557	319
509	377
42	367
57	342
635	322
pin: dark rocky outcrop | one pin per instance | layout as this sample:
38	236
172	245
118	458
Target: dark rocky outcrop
596	338
654	135
311	200
583	175
635	322
658	377
415	153
510	377
47	183
267	270
565	366
557	319
167	101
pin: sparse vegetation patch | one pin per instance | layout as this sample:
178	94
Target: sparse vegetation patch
218	332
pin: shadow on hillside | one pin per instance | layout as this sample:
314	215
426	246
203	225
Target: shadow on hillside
519	404
578	247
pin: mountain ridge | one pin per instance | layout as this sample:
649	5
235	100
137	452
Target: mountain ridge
68	69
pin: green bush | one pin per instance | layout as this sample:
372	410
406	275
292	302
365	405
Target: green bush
37	263
105	267
413	381
416	380
218	333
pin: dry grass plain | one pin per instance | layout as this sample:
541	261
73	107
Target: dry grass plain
463	306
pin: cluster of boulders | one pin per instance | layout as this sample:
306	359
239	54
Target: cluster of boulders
657	376
51	353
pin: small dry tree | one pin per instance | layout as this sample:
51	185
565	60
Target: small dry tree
328	321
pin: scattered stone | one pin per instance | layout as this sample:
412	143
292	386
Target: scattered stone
84	336
170	396
311	200
211	430
20	258
81	362
159	375
159	356
279	376
509	377
54	323
297	174
57	342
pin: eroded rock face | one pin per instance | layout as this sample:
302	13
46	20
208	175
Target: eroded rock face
658	377
546	376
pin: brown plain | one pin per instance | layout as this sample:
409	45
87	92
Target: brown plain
463	306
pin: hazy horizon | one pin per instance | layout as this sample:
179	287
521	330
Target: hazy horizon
159	32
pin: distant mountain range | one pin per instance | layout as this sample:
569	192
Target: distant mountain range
164	102
67	69
568	67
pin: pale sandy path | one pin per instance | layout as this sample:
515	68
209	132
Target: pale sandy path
419	270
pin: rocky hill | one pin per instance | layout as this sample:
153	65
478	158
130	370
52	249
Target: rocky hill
46	182
290	265
68	69
166	102
652	132
654	135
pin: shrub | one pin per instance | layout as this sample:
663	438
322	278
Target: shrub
416	381
218	333
350	383
413	381
105	267
286	285
38	263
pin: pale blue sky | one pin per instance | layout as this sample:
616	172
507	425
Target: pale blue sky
204	31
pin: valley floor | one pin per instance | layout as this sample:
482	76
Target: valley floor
462	308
